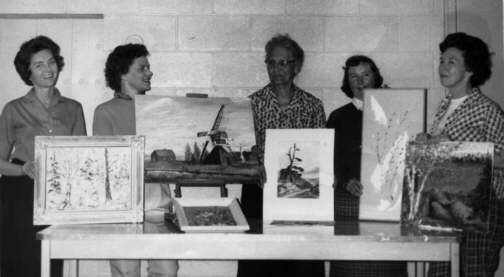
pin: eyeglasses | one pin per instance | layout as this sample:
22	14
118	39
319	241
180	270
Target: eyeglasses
280	63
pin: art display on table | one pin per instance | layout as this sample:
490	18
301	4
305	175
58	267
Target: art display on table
391	117
193	127
299	170
447	185
210	215
88	179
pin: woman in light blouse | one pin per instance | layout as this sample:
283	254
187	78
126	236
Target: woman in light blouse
43	111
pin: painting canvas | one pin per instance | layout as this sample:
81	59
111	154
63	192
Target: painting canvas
186	125
299	170
88	179
447	185
210	215
391	117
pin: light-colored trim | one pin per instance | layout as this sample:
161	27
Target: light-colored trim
51	16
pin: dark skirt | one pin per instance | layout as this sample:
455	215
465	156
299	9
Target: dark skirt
251	204
20	250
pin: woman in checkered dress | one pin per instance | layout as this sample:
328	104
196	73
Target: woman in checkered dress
360	72
465	114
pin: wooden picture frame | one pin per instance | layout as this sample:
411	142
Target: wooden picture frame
299	170
212	215
391	117
447	185
84	179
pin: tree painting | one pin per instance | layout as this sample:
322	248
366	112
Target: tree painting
293	180
93	178
447	185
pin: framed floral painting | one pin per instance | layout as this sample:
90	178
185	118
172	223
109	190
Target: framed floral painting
299	170
391	118
88	179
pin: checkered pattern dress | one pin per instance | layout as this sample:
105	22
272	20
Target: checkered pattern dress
347	123
477	119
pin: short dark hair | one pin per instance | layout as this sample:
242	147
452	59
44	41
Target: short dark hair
119	62
31	47
477	57
285	41
355	61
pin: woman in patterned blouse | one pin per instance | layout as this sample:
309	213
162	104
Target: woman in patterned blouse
465	114
280	105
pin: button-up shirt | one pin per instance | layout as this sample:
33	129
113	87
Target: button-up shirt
26	117
303	111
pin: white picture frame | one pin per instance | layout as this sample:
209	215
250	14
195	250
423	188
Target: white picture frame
84	179
391	118
305	192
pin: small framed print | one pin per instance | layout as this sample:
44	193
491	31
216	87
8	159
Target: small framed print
197	215
84	179
299	170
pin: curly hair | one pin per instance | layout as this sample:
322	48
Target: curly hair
31	47
355	61
477	57
285	41
119	62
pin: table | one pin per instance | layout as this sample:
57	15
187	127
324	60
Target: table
155	239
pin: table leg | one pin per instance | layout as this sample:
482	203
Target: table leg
45	258
455	260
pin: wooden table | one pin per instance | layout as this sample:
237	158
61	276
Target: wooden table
155	240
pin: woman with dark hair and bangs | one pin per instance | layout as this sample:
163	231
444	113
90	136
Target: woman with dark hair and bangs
360	73
43	111
466	114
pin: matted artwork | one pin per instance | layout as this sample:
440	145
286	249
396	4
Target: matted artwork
299	170
191	127
391	117
447	185
88	179
210	215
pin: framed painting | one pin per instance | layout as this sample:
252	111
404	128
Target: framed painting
391	117
447	185
196	215
192	127
299	171
82	179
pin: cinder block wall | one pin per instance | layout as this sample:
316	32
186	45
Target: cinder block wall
217	47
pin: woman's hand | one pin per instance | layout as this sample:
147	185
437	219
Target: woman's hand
30	169
354	186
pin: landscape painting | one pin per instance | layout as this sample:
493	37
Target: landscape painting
299	170
88	179
391	118
193	127
447	185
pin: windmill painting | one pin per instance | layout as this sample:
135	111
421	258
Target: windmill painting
391	117
88	179
196	129
299	170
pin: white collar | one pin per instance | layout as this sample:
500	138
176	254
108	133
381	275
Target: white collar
357	103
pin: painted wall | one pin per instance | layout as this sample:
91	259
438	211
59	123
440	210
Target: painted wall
217	47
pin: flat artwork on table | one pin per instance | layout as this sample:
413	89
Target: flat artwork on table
391	117
88	179
189	126
299	169
447	185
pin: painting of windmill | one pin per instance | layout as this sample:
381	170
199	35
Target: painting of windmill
207	130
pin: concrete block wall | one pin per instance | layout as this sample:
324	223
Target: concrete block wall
217	47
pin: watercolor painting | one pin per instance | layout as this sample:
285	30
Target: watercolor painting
447	185
299	171
81	177
391	117
193	127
